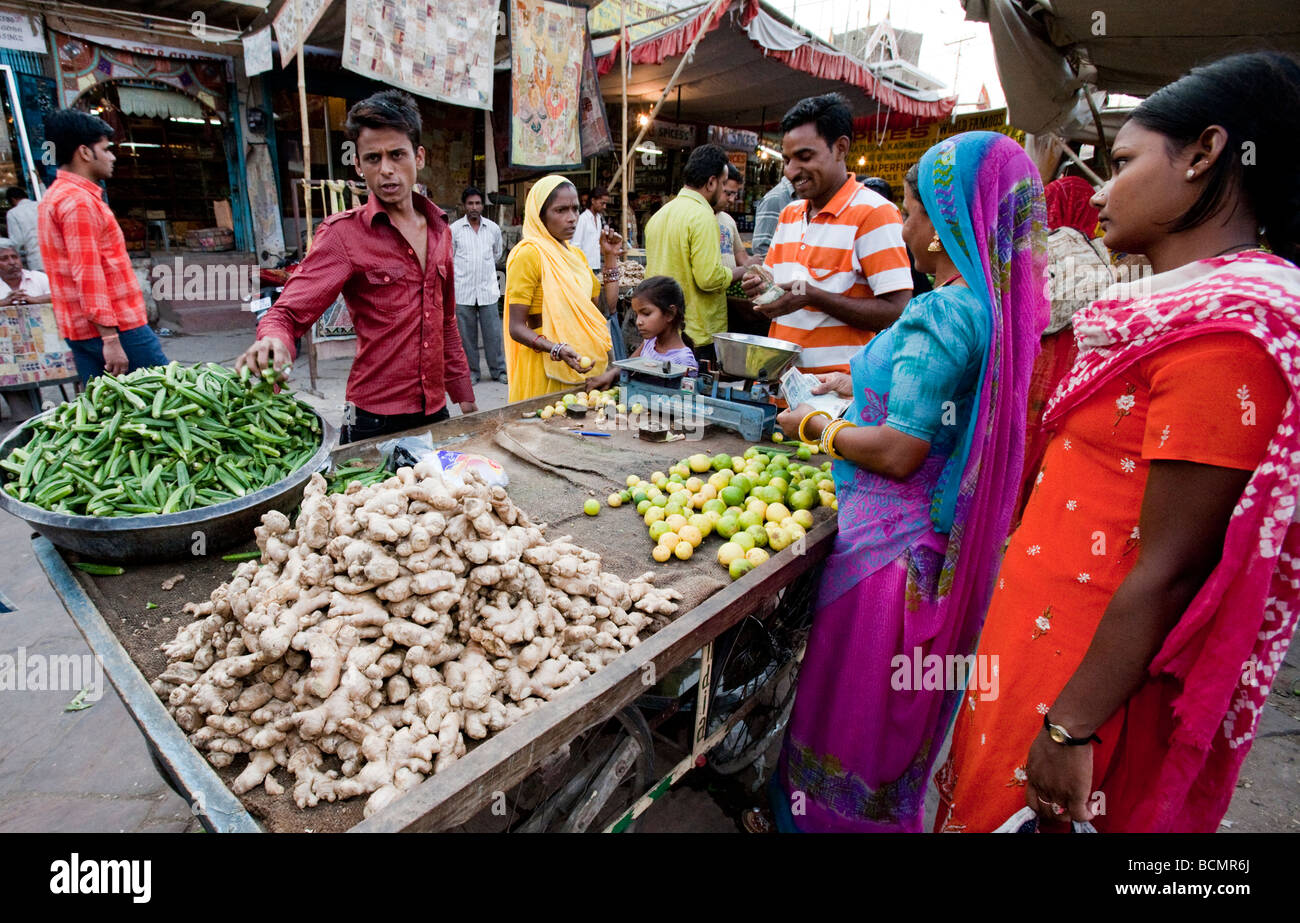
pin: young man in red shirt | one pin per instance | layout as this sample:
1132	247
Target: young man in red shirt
392	261
94	291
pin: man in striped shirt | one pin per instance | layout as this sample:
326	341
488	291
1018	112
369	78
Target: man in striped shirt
838	250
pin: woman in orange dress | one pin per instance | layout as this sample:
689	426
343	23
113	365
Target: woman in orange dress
1145	604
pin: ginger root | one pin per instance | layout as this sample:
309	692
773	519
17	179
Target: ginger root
385	627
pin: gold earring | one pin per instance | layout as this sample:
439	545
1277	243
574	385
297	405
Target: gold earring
1191	173
935	246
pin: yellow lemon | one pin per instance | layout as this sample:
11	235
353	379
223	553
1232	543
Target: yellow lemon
803	517
694	484
633	480
703	523
669	539
658	478
683	550
713	516
756	556
547	413
777	538
657	530
794	530
661	553
691	534
615	500
676	521
654	514
776	512
729	552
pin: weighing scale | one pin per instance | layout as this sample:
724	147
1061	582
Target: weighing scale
738	398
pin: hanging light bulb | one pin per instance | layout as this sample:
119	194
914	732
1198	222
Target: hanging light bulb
862	161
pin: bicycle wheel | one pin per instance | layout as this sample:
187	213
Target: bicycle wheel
591	781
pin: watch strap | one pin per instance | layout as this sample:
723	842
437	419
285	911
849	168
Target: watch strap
1056	732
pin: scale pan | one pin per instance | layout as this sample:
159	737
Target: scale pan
746	356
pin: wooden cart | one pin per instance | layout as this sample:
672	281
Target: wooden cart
104	614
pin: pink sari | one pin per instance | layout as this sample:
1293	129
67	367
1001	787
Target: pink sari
862	741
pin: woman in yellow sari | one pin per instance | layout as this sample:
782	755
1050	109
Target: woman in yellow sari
555	320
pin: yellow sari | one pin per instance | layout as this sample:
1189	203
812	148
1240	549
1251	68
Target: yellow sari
566	285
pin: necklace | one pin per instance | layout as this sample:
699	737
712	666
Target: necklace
1235	247
948	281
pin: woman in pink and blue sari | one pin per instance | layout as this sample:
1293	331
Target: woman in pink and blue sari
926	477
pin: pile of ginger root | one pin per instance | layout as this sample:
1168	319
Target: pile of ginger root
386	626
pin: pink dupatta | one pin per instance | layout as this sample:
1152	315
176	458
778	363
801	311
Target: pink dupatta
1228	647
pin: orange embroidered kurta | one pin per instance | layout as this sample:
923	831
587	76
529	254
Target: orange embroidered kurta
1214	399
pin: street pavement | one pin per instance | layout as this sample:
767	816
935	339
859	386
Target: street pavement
89	770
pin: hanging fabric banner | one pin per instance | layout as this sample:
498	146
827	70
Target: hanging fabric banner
546	51
257	52
294	24
593	124
446	56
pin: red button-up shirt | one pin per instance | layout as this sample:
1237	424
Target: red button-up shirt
91	278
409	355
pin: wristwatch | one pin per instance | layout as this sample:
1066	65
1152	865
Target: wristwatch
1061	736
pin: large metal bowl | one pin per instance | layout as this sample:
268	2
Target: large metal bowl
747	356
166	536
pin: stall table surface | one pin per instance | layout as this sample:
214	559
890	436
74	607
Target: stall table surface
552	472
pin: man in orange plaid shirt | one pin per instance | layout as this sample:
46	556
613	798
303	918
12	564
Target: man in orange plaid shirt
97	300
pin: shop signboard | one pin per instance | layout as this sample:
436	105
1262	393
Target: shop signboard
892	156
671	135
733	139
22	31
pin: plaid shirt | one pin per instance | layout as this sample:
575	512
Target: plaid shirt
91	279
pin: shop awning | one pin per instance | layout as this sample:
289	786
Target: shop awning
752	66
160	104
1047	51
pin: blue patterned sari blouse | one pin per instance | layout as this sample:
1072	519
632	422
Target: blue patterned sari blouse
918	376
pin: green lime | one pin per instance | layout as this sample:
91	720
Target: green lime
721	460
739	568
733	494
803	499
727	526
744	540
591	507
759	535
642	506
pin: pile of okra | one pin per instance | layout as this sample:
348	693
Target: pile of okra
162	440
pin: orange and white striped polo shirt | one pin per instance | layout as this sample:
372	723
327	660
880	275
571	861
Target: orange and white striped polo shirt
854	247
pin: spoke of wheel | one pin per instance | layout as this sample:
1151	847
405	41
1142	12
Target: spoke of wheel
611	776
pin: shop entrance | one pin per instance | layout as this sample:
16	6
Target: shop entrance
172	173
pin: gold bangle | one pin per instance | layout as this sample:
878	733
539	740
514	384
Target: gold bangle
804	422
828	437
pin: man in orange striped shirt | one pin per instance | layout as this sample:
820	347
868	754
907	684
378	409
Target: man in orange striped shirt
838	250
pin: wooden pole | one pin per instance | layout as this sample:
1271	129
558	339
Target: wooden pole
623	42
306	187
306	142
672	82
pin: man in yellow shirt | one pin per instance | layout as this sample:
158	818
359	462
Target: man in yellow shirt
682	242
